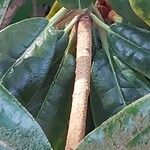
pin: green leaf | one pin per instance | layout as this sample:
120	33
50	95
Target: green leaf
96	42
18	130
23	12
142	9
132	46
37	99
15	39
26	10
45	1
54	113
28	72
114	85
129	129
76	3
25	67
3	7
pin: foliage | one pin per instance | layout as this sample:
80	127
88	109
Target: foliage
17	126
126	12
76	3
37	71
141	8
129	129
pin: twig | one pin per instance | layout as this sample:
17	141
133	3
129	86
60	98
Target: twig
13	7
69	16
72	23
77	124
58	16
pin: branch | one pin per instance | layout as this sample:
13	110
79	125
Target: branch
77	124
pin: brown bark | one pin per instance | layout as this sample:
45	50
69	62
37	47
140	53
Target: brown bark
66	19
77	124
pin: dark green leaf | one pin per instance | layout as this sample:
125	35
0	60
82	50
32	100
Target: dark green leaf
27	9
114	85
37	99
23	12
15	39
75	3
129	129
3	7
30	65
27	73
96	42
45	1
54	113
18	130
132	46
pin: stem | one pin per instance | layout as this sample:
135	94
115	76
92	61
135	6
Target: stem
66	19
98	14
58	16
34	8
102	32
100	23
77	124
71	24
79	2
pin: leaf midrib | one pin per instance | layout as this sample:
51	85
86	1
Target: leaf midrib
105	44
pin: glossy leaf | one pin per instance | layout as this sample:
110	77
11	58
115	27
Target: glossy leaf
19	38
132	46
27	72
3	7
129	129
15	39
54	113
37	99
114	85
76	3
18	130
142	9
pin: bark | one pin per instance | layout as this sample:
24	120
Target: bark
77	124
